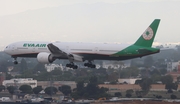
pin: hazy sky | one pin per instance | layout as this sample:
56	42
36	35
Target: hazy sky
15	6
87	20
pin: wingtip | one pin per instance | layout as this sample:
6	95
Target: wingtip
157	19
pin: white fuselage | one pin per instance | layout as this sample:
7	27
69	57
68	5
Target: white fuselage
32	48
47	52
90	48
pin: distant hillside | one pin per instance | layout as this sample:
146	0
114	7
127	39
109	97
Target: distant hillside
99	22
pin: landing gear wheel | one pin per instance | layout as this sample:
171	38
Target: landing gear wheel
15	62
85	64
75	67
90	65
93	66
68	65
71	65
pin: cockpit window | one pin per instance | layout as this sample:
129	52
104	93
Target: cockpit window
6	46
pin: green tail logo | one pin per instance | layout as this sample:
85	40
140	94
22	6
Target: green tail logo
147	38
142	46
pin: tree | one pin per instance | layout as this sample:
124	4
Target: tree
11	89
178	79
37	89
80	86
158	96
113	82
155	72
170	86
130	91
65	89
148	61
129	72
166	79
155	78
39	67
139	94
3	66
102	93
133	63
25	89
173	96
8	76
138	81
145	85
92	89
23	65
128	95
163	71
113	76
51	90
2	87
79	91
117	94
56	72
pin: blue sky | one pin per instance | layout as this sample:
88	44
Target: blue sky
121	21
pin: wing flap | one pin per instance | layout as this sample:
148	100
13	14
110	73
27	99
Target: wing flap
60	53
55	50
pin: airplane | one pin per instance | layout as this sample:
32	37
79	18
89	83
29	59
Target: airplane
47	52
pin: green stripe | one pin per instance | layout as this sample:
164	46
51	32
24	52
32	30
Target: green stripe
134	50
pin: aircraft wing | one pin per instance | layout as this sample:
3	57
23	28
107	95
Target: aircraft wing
55	50
61	53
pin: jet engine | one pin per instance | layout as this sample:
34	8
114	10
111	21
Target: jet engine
44	57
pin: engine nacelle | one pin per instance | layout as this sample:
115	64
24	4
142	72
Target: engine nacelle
44	57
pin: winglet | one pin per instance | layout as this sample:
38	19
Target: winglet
147	38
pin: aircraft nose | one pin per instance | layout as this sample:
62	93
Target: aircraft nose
6	50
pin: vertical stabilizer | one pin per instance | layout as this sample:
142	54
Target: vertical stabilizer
147	38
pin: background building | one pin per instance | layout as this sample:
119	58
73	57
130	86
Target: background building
20	81
129	80
56	84
173	66
50	67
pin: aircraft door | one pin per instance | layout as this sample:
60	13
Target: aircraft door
67	49
34	49
13	48
96	50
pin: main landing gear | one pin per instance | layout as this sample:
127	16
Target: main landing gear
90	65
71	65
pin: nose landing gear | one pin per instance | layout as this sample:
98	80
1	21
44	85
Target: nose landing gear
15	61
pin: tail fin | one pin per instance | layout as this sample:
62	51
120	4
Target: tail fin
147	38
